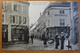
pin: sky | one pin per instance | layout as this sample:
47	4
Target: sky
35	8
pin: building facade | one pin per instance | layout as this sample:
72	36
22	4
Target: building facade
58	16
15	20
55	19
75	22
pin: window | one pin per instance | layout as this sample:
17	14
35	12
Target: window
3	18
48	13
61	11
19	19
15	8
62	22
4	5
48	22
16	19
13	19
24	9
24	20
75	4
19	7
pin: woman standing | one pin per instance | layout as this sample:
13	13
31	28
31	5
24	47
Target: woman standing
57	41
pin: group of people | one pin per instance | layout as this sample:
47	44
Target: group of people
59	40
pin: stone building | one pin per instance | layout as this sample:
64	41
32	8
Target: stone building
55	19
15	20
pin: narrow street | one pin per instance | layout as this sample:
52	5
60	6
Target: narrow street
37	45
50	25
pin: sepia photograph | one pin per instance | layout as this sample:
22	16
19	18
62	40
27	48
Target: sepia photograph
40	25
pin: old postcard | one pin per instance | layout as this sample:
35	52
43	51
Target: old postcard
40	25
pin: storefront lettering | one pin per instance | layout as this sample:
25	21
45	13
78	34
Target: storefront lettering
60	15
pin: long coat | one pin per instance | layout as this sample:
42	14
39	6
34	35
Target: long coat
57	40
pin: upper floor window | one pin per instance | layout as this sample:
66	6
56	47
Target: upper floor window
19	19
13	19
24	20
19	8
4	5
3	18
15	8
48	22
24	9
48	13
75	4
62	22
62	12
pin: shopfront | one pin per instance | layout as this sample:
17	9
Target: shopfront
19	33
52	31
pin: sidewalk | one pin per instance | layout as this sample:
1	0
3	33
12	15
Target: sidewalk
74	47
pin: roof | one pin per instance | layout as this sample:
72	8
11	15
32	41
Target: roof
26	2
59	4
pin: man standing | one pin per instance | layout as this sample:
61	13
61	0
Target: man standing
62	40
56	42
32	38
